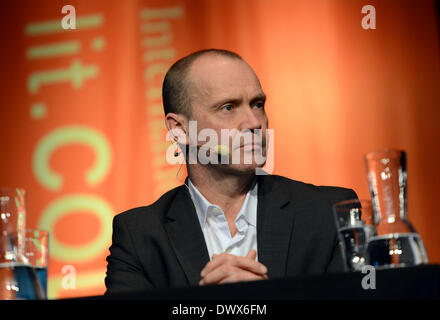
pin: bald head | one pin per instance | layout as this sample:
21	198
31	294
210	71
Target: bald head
179	78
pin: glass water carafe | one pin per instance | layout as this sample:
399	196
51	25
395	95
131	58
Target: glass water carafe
397	244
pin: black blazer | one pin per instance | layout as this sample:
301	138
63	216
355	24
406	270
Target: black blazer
162	245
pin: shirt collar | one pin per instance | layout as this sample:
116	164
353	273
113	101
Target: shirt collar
248	209
200	203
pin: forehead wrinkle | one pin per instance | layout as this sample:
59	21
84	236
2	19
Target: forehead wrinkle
208	88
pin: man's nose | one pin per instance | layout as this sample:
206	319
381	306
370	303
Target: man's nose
250	120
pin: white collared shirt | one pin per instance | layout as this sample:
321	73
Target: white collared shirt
215	226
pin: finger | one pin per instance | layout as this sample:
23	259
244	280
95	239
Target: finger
234	274
228	259
241	262
250	264
218	274
252	254
248	276
213	264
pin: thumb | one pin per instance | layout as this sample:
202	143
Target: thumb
252	254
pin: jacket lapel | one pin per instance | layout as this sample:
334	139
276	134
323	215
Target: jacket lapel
274	225
186	236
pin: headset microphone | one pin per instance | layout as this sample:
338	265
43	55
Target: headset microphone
221	149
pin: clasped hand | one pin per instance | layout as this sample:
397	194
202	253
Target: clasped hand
225	267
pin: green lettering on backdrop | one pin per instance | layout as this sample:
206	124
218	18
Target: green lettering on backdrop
161	13
77	73
69	135
54	50
64	206
98	43
38	111
54	26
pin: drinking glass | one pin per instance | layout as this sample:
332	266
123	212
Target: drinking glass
397	244
37	253
18	279
355	225
13	214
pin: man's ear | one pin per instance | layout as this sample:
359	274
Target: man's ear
177	125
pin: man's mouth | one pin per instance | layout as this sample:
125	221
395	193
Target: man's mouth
250	146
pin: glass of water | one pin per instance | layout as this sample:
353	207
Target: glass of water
13	214
355	225
18	278
36	253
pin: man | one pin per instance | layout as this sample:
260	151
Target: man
226	224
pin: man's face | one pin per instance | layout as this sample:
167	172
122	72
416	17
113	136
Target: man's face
225	94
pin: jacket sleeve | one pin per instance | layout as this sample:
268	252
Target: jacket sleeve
337	263
124	271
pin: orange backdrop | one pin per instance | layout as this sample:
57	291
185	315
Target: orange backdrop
81	114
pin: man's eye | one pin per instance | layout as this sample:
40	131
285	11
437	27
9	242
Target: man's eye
227	107
259	105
